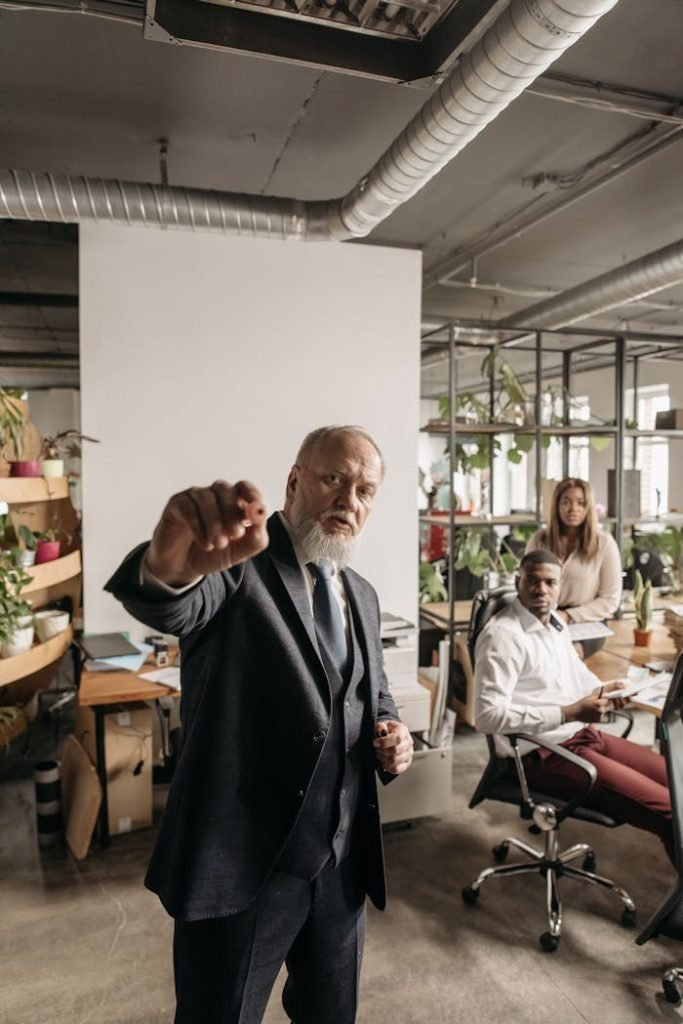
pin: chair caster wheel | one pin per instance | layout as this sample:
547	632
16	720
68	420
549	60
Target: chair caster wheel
671	992
589	863
469	894
628	918
500	852
549	942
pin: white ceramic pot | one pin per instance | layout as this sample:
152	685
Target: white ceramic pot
20	643
27	558
52	467
49	623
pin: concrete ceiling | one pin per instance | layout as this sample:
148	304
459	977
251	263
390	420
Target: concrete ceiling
88	95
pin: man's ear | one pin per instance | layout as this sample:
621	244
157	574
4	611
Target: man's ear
517	582
292	481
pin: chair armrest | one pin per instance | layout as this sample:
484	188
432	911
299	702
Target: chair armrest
627	716
580	762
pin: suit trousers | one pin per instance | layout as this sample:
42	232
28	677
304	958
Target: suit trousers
631	783
225	967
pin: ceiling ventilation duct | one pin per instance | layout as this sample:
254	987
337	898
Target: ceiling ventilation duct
522	43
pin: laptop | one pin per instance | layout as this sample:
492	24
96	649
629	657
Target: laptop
106	645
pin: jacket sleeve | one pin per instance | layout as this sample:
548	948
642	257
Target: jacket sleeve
178	615
608	597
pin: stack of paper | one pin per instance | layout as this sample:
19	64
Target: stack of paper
673	620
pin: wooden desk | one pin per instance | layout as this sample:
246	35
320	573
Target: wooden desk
619	652
103	692
438	611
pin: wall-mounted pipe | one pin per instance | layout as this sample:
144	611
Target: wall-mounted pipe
526	38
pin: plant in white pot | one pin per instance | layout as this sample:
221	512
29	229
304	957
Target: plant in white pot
57	447
16	616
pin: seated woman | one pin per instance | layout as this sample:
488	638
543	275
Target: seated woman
590	590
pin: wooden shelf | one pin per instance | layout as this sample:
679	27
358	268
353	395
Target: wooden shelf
39	657
48	573
589	430
514	519
17	490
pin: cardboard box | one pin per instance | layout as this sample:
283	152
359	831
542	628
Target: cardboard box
669	419
631	495
128	755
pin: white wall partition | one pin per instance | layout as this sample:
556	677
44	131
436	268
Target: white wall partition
206	357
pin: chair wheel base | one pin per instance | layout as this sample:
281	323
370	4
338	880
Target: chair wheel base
589	863
549	942
628	918
671	992
500	852
469	894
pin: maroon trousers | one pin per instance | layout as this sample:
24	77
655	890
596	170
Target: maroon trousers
631	783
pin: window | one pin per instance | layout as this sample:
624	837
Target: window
652	453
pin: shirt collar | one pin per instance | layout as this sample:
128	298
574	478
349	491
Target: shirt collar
531	623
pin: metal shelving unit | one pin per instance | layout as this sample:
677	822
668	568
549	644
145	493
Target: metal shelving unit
577	350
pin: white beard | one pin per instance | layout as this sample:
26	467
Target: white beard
320	546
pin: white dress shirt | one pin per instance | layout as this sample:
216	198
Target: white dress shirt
525	672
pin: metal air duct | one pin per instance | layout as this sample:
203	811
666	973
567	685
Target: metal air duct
645	276
522	43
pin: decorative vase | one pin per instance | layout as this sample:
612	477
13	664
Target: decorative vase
20	642
47	551
52	467
642	637
49	623
25	467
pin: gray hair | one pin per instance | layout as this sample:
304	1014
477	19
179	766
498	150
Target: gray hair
321	434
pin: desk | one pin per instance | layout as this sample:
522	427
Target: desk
103	691
619	652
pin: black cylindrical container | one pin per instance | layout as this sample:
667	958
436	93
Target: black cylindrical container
48	803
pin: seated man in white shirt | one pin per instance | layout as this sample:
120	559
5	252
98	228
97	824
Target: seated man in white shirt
528	678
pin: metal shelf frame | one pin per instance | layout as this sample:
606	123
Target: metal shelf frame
580	350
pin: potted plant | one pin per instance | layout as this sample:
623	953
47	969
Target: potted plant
26	555
47	546
16	618
432	589
643	604
57	447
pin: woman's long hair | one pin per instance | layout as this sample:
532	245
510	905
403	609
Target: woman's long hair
553	535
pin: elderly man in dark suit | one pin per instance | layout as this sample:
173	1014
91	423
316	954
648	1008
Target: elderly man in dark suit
271	836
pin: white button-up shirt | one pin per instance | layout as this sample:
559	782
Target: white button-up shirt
524	673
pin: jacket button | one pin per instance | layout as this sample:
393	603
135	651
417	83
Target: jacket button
300	794
319	736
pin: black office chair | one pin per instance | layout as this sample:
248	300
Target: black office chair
498	782
668	918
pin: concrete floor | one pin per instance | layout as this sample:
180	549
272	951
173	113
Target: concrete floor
85	943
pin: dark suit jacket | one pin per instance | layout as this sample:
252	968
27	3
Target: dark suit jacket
255	708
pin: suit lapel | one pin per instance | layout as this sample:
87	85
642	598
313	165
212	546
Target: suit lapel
363	615
287	566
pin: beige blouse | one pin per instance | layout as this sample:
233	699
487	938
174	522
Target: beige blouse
590	590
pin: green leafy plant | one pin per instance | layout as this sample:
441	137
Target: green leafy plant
12	421
477	551
13	607
65	444
643	602
13	721
432	588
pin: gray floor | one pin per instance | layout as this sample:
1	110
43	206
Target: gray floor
84	943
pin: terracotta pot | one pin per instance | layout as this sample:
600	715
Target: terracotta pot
47	551
30	467
642	637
